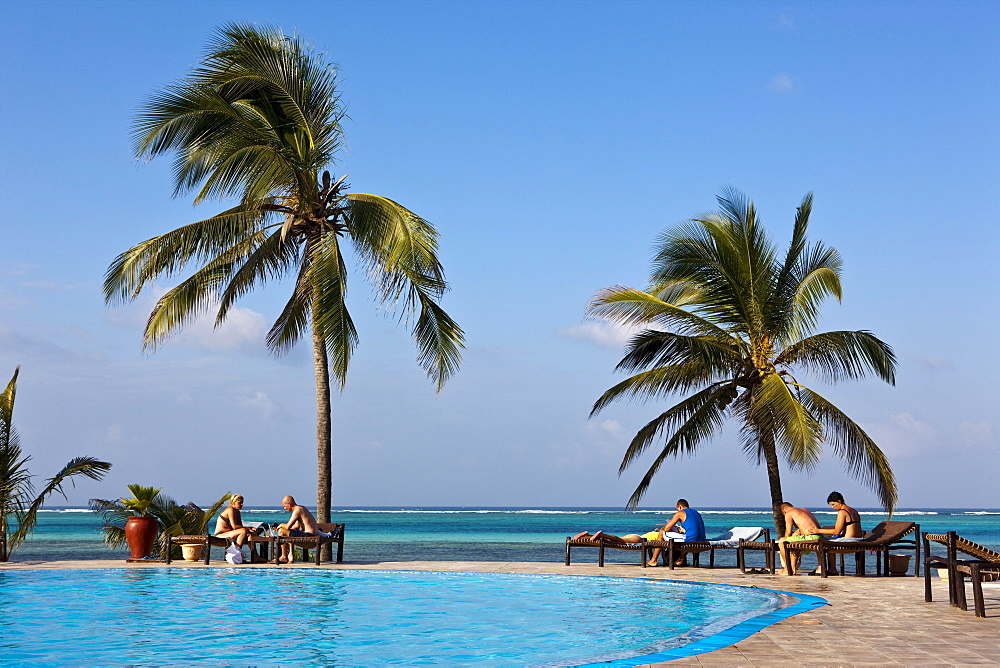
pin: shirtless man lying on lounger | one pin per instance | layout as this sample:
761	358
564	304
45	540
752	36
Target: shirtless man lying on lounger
800	525
230	523
300	524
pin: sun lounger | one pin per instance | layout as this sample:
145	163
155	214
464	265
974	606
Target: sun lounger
258	545
603	543
985	566
729	540
767	546
207	541
886	536
330	533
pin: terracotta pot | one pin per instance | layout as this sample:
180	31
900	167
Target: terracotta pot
899	564
140	532
191	552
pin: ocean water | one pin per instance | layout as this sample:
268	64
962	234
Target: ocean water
488	534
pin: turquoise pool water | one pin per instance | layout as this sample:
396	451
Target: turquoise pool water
355	617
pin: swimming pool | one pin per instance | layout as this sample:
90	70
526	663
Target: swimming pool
358	617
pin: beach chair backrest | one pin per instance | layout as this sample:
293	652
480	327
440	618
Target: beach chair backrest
976	550
889	532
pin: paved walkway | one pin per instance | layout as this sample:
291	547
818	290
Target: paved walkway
869	621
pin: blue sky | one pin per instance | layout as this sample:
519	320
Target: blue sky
549	143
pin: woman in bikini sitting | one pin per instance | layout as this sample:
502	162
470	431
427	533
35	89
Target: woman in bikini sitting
230	523
847	528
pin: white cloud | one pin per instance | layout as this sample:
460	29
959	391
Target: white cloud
782	83
115	434
977	434
57	286
601	333
784	22
613	427
935	364
260	403
911	424
904	435
243	330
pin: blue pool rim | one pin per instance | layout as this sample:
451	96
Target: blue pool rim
725	638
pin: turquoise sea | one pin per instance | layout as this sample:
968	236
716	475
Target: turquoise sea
487	534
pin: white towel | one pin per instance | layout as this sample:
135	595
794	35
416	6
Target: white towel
732	537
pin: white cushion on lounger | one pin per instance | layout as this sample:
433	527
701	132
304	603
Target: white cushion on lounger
732	537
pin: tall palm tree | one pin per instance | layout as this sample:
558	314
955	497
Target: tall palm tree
259	120
18	502
729	320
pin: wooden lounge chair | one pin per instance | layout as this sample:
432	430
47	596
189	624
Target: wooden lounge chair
306	543
602	543
727	541
207	541
884	537
986	565
258	545
767	546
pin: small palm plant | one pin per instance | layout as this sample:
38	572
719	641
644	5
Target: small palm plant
142	499
19	505
175	519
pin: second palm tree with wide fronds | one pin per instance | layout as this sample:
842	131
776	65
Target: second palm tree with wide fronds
730	322
259	120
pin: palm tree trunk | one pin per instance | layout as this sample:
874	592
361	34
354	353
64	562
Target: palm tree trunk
774	481
323	484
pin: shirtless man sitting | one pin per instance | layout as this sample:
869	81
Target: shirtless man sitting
300	524
800	524
230	523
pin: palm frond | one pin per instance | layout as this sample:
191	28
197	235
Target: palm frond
631	307
654	348
88	467
657	383
859	454
294	318
260	111
327	281
169	253
439	341
842	355
817	277
398	249
697	419
776	409
271	259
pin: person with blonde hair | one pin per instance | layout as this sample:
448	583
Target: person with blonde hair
230	523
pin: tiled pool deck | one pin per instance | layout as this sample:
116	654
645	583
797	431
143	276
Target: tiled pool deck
870	621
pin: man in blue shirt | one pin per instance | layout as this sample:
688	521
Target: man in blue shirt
687	520
691	525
